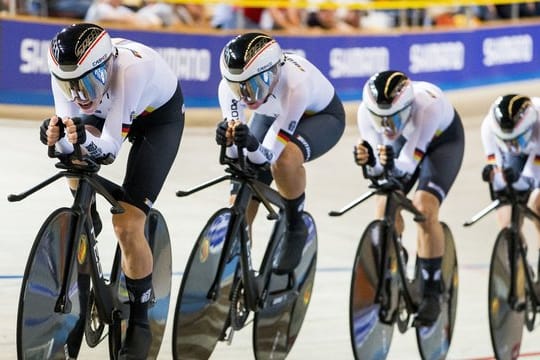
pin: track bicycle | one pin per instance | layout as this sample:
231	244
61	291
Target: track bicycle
65	294
512	300
383	292
220	287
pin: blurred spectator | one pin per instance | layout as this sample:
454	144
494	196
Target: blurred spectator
58	8
244	18
353	18
111	10
327	19
508	11
222	14
192	14
4	6
159	13
287	19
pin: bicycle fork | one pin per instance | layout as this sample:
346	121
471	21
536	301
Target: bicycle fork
76	239
387	292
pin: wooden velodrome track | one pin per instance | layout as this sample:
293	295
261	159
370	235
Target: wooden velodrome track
333	181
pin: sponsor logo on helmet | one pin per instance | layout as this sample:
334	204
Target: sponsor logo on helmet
100	60
87	39
265	67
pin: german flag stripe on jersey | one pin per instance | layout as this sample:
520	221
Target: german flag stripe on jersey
147	111
125	130
491	159
418	154
537	160
283	137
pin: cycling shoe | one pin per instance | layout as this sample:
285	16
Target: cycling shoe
137	343
291	249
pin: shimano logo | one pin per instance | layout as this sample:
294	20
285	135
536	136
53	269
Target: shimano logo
358	62
188	64
507	50
441	56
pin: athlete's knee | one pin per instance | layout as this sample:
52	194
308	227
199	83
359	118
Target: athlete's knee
428	205
128	224
534	201
289	159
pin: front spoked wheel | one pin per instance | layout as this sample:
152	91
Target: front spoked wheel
203	301
44	332
371	337
277	325
506	310
434	341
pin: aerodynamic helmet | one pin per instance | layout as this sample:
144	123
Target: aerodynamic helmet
388	96
80	60
250	65
512	121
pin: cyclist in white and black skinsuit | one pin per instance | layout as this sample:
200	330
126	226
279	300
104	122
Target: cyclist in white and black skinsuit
511	138
296	118
415	121
106	90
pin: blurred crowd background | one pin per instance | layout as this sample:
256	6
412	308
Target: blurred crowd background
287	16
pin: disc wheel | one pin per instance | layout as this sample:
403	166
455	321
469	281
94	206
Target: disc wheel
370	337
42	332
277	325
434	341
506	316
157	234
200	318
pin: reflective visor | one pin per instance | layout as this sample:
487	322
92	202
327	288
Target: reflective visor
517	144
88	87
255	88
392	124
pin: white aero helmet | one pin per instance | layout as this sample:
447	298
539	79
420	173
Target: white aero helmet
512	122
388	96
80	60
250	65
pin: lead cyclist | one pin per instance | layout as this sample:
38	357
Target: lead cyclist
106	91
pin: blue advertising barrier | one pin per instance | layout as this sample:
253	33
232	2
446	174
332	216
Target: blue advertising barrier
452	59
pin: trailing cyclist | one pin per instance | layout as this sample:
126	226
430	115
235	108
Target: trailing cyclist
415	121
511	139
296	117
106	90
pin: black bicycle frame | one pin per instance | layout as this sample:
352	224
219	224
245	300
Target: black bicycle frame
249	187
89	183
519	210
395	201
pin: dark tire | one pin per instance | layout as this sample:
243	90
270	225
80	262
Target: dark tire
276	327
157	234
505	319
370	337
199	320
41	331
434	341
